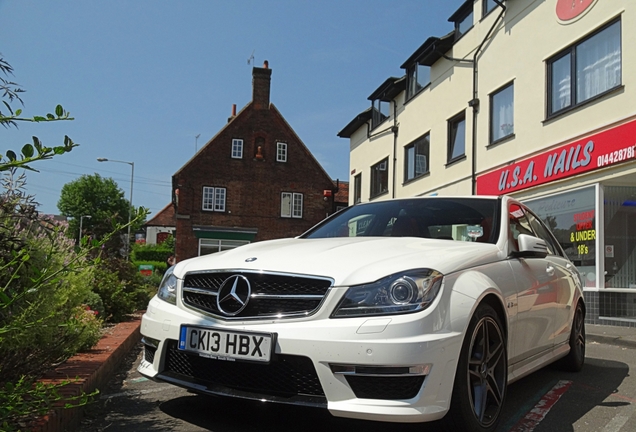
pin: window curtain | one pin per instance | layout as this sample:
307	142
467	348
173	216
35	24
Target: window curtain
504	114
598	65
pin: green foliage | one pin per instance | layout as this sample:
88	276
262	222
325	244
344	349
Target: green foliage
98	197
148	252
121	288
29	152
22	400
102	200
47	311
44	284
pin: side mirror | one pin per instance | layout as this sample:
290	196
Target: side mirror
531	247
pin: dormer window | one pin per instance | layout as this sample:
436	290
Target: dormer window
463	18
464	24
380	113
487	6
418	76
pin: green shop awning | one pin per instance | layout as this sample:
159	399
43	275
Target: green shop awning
224	233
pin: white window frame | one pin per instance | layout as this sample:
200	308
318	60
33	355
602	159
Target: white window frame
291	205
213	199
281	152
220	244
237	148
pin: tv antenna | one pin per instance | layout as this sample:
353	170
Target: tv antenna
251	59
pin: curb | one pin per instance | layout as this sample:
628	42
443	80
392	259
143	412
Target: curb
611	340
88	371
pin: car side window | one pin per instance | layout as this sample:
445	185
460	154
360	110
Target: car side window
543	233
519	224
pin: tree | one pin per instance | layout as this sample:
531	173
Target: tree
97	197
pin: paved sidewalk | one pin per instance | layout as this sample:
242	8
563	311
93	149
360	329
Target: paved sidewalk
613	335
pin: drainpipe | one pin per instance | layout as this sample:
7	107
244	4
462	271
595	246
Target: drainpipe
394	129
474	103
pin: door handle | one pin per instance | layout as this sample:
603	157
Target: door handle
549	270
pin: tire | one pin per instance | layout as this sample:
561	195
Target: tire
575	359
480	387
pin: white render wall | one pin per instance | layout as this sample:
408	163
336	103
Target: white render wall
529	34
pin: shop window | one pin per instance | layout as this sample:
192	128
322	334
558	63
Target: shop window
585	70
291	205
571	216
281	152
213	199
620	236
380	178
357	189
417	77
416	157
237	149
209	246
502	122
456	137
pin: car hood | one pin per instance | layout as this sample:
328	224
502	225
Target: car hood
347	261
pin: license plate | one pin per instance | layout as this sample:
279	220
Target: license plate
226	345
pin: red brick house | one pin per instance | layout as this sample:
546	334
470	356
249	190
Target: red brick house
161	226
255	180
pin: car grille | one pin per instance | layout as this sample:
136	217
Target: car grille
149	353
272	295
285	375
392	388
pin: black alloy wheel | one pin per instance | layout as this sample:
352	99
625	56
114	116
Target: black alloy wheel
482	374
575	359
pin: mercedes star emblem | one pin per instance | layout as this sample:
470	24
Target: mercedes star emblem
234	294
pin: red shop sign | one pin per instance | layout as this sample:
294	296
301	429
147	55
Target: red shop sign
606	148
567	10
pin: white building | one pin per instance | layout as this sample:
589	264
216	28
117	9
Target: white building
532	98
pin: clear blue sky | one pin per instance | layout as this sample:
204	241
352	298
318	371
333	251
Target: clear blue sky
142	78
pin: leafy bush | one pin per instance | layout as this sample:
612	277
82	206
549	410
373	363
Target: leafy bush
44	284
121	288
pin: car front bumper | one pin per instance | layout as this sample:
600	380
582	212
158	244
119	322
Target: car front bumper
397	368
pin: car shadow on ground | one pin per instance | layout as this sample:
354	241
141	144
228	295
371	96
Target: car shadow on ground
590	388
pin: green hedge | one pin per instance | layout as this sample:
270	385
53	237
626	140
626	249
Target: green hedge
145	252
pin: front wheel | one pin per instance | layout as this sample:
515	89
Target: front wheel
482	373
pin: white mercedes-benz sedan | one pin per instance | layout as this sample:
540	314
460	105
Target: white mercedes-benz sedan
406	310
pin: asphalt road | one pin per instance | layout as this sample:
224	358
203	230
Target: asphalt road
600	398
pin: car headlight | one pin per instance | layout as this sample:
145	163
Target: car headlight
411	291
168	287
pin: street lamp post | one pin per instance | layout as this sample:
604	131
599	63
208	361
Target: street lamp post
132	176
79	242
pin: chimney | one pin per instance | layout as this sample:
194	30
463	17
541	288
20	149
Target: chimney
261	78
230	118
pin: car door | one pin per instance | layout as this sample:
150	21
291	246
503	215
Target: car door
566	276
536	283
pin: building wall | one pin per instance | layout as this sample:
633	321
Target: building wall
518	51
528	35
253	184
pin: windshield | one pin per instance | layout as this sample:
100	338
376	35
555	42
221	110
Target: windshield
460	219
